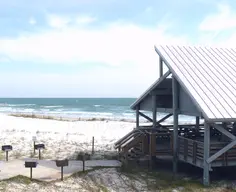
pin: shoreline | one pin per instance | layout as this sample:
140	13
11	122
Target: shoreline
69	119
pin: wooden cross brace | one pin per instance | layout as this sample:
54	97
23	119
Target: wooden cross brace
227	147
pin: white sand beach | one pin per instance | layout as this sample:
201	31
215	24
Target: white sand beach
62	139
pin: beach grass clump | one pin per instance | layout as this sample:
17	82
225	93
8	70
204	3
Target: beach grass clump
38	116
81	155
161	180
22	179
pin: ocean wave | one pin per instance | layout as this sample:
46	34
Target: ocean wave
3	109
52	106
128	114
97	105
20	105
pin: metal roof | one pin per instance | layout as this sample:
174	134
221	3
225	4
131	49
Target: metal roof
208	75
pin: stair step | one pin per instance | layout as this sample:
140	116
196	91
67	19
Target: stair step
136	152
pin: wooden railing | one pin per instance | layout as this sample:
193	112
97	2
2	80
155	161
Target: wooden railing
191	148
229	155
194	150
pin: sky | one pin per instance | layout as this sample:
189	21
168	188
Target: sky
100	48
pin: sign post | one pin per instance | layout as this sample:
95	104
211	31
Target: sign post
31	165
34	140
6	148
39	147
62	163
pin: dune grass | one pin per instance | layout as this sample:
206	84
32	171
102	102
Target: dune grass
70	119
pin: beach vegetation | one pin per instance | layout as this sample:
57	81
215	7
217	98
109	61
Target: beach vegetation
70	119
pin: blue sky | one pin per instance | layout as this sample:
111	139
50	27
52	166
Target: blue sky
100	48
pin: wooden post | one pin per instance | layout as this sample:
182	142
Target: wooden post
137	116
206	179
62	173
151	142
154	111
197	124
34	147
160	67
145	145
175	115
83	163
6	155
92	145
31	170
39	154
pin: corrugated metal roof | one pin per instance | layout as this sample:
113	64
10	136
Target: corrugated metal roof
208	75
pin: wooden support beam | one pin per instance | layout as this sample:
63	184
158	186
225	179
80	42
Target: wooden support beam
206	179
176	116
154	110
164	118
222	151
224	131
160	67
137	116
145	116
152	149
145	144
197	123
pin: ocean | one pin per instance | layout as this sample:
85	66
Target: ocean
87	108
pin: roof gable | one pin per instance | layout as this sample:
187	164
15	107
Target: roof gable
208	75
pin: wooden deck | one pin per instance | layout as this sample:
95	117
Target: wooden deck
147	141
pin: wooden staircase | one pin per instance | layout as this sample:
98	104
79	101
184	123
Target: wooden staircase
131	146
144	144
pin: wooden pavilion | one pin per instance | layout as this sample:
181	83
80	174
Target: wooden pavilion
200	82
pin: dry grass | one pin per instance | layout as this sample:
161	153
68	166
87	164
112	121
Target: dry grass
50	117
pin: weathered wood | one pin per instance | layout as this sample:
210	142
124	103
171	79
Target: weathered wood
137	116
152	145
154	111
132	143
145	145
127	137
185	149
220	152
206	179
92	145
197	124
145	116
175	115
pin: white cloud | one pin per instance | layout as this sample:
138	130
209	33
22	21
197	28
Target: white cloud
115	44
62	21
219	29
128	47
85	19
32	21
57	21
224	19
